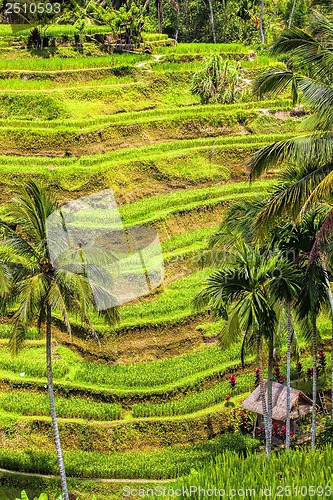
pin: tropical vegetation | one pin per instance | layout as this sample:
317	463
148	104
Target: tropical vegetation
136	99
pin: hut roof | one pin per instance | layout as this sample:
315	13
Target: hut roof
300	404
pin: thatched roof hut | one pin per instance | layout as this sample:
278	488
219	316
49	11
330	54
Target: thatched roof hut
300	404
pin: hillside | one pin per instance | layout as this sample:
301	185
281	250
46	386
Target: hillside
149	403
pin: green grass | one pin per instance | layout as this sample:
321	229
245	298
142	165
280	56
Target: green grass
16	84
303	473
25	403
156	208
166	376
204	48
58	64
196	401
32	361
6	30
169	462
157	373
31	333
43	163
186	243
221	112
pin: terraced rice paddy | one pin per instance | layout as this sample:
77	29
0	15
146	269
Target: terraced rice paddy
151	401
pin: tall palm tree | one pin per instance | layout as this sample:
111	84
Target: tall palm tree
290	22
310	74
35	289
293	239
312	297
248	285
261	21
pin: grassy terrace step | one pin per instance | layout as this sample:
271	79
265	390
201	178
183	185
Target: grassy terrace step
35	432
42	164
159	208
38	404
203	48
96	99
45	86
120	119
73	141
170	462
70	75
299	474
207	367
158	376
37	64
157	168
208	394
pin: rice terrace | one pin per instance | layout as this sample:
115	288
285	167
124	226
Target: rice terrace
166	265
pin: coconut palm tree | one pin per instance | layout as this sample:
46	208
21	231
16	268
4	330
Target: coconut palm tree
261	21
293	239
35	289
310	74
248	286
312	297
290	22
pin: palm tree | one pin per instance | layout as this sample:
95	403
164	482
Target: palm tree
311	300
309	73
311	58
249	285
293	239
290	22
261	21
36	289
211	19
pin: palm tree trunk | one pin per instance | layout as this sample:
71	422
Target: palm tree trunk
159	15
330	298
314	381
288	377
211	17
187	21
261	22
262	388
270	398
292	14
52	405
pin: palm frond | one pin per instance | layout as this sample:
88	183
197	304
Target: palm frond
311	149
322	191
320	98
289	197
323	233
274	82
18	335
306	48
31	293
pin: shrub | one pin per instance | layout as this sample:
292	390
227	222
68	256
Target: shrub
218	81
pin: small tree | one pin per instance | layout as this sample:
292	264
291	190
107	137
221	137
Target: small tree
32	289
218	81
